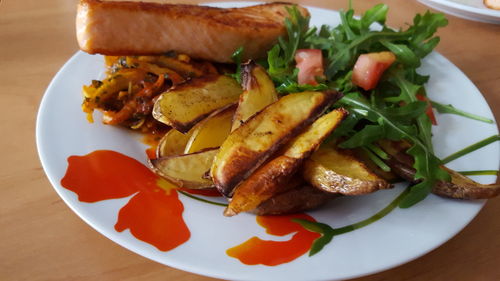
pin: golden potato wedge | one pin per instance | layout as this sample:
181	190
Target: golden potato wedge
172	143
299	199
258	92
186	104
264	133
209	136
337	171
211	131
186	170
272	177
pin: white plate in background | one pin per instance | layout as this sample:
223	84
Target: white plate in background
468	9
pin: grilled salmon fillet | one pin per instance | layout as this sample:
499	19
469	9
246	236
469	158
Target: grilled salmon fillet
140	28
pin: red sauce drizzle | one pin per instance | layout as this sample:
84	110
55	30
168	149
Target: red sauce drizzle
153	215
156	218
257	251
151	140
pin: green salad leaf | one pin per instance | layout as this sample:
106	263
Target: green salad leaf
392	110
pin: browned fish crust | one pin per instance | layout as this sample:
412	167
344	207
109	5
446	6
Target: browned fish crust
141	28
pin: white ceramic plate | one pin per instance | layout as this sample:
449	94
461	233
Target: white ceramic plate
403	235
468	9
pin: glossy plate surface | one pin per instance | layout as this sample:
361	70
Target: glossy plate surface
403	235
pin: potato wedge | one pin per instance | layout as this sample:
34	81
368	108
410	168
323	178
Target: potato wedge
211	131
274	176
186	170
337	171
258	92
460	187
256	140
173	143
186	104
299	199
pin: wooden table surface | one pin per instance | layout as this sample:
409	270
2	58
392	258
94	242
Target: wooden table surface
42	239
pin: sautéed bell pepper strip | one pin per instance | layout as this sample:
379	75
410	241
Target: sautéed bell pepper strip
133	105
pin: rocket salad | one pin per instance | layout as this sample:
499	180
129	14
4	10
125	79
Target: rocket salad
388	102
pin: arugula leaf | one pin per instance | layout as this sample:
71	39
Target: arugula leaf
404	54
408	95
290	86
448	108
424	27
280	58
237	58
427	165
470	148
376	14
480	173
392	110
375	157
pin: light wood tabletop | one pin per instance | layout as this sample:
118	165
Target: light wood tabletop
42	239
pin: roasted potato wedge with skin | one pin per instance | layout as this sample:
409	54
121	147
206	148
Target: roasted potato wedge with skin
186	104
460	187
211	131
272	177
199	137
295	200
337	171
186	170
172	143
263	134
258	92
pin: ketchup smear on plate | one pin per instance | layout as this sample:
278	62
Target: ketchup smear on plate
154	213
258	251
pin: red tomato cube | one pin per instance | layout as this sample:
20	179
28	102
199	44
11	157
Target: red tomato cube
310	65
370	67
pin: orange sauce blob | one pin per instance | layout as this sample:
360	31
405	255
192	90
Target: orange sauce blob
151	140
153	215
156	218
257	251
106	174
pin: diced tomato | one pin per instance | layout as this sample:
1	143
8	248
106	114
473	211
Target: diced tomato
370	67
429	110
310	65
